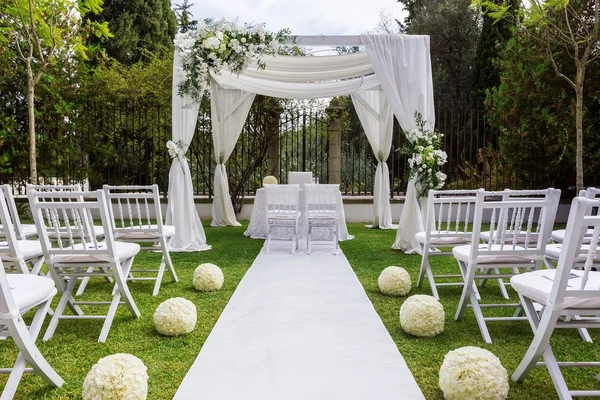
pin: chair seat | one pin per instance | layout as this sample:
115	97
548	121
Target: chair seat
558	236
29	249
485	236
98	230
553	253
463	253
538	284
441	241
168	231
30	290
124	250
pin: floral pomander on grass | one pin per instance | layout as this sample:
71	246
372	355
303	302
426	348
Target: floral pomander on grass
269	180
470	373
176	316
119	376
221	44
426	157
422	315
208	278
394	281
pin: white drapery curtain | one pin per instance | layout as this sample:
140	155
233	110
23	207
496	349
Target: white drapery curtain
229	109
376	118
403	67
181	210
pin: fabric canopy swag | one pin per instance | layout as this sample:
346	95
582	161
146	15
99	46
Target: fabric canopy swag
391	78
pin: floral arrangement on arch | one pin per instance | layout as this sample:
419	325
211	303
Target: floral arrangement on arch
214	45
426	157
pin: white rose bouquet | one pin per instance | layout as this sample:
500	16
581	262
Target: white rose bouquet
214	45
426	157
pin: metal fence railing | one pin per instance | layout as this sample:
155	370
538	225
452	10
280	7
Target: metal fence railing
124	143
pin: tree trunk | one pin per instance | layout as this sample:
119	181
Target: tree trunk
579	127
31	113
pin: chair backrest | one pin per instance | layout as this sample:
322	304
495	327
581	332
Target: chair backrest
300	178
8	306
322	199
520	222
282	200
133	208
9	246
54	188
9	199
581	219
68	215
450	213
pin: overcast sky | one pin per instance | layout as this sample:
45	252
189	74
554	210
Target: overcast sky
303	17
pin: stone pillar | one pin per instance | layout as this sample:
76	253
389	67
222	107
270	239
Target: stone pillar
334	134
272	133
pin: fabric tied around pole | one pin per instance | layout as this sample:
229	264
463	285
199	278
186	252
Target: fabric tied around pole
222	210
181	210
411	221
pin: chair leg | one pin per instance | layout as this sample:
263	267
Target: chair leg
29	353
167	255
468	273
541	341
65	299
36	265
84	282
308	239
424	265
432	284
268	237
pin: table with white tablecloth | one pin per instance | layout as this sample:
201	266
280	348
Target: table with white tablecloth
257	228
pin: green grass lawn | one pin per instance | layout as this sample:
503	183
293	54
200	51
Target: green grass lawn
74	348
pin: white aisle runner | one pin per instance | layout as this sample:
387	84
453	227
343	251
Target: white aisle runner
299	327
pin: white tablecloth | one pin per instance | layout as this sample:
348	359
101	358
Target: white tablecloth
257	228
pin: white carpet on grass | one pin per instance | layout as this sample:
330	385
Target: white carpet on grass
299	327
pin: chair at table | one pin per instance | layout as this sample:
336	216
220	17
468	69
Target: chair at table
71	258
300	178
448	227
322	211
563	291
282	211
519	231
23	231
132	213
15	253
20	293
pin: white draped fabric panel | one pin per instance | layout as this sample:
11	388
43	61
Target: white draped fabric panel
403	67
181	210
229	109
311	69
295	90
376	118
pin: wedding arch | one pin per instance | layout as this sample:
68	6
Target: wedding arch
392	77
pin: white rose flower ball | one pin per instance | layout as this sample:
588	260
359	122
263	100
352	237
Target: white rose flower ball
119	376
394	281
176	316
208	278
422	315
269	180
473	373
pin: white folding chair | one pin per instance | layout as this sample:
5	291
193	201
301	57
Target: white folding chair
132	211
559	234
515	195
322	211
15	253
23	231
282	211
519	230
20	293
448	224
68	259
563	291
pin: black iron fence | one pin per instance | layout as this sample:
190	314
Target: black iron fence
124	143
